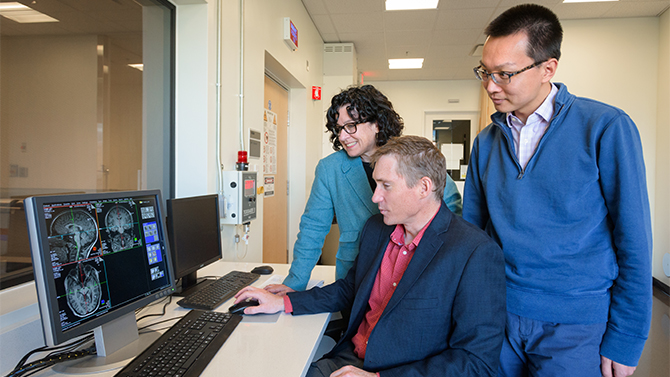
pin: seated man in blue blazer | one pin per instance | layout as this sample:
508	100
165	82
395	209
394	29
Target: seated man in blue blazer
427	291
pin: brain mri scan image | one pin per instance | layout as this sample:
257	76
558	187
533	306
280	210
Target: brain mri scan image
120	228
73	235
82	285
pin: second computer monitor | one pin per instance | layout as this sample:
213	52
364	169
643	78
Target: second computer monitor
195	237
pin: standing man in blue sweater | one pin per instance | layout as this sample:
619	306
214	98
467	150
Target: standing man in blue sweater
559	182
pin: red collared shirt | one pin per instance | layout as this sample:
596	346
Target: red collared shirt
394	263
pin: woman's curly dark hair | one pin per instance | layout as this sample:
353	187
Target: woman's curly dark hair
364	104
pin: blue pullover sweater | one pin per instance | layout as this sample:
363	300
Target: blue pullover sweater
574	225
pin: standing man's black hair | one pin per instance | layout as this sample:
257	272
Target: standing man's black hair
540	24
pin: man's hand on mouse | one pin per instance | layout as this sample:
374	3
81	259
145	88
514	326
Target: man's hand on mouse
351	371
267	302
278	289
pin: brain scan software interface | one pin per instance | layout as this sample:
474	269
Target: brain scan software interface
104	253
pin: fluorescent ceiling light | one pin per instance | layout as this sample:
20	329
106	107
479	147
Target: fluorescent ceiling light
405	63
12	6
139	67
586	1
23	14
411	4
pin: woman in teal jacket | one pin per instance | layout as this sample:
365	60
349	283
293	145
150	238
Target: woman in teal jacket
360	119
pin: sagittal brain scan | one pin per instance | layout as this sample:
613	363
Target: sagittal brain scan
73	235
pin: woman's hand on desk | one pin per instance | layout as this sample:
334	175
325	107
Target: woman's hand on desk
267	302
278	289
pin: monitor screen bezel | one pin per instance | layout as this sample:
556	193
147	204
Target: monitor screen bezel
178	274
44	279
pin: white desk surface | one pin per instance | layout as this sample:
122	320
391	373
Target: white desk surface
283	348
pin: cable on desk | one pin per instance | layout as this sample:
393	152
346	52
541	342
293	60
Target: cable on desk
203	278
159	322
54	358
169	300
46	362
140	309
23	369
67	346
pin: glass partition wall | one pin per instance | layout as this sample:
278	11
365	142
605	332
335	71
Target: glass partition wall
86	105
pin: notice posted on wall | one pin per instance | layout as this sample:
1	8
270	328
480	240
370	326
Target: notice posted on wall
269	185
269	142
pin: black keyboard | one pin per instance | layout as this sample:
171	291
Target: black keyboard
213	295
186	348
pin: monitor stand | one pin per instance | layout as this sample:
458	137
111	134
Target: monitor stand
117	343
190	284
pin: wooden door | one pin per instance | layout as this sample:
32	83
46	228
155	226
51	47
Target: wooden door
275	247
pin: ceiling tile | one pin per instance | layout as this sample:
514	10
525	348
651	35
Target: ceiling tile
442	52
358	22
365	40
315	7
354	6
410	20
411	51
443	64
324	24
466	4
464	18
409	37
454	37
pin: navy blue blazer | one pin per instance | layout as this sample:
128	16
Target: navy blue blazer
340	188
447	315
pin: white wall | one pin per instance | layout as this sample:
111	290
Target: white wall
612	60
263	41
662	215
195	142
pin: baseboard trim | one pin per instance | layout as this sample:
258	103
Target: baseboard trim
662	286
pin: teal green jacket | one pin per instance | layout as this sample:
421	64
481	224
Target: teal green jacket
340	190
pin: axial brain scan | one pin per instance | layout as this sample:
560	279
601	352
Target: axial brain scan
77	231
83	290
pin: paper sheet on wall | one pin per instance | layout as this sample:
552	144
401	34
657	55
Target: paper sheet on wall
269	142
453	153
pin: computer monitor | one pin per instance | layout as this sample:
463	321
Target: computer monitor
195	238
96	258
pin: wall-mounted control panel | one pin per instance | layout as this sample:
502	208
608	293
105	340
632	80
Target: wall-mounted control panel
239	197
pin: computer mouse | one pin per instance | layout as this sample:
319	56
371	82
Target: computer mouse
262	270
240	306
